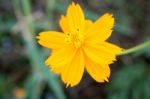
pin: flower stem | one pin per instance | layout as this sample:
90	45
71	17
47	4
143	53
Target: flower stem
136	48
39	72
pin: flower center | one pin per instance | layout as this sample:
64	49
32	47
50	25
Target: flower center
74	38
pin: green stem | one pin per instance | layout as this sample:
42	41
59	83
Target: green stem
40	72
51	79
136	48
49	13
49	8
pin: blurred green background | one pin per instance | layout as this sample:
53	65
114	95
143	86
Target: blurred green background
23	74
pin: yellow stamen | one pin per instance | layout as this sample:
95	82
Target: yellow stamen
74	38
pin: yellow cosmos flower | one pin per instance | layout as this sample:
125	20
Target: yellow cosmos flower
81	45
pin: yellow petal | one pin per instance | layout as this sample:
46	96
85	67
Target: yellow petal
75	18
98	53
51	39
61	57
57	69
64	24
101	29
73	71
98	72
88	24
110	48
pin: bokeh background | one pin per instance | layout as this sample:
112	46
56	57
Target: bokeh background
23	74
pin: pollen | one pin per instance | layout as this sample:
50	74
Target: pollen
74	38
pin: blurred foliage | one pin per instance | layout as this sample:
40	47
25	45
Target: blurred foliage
131	82
22	69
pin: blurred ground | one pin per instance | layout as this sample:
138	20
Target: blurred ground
22	71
